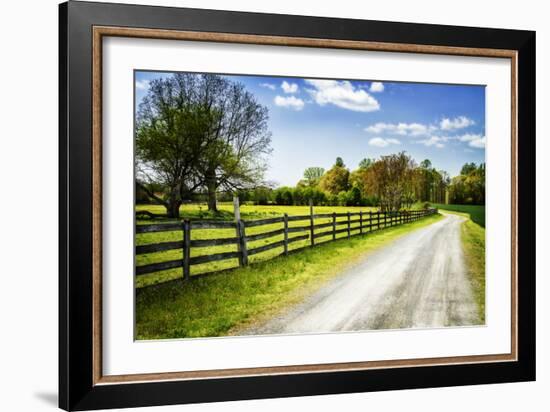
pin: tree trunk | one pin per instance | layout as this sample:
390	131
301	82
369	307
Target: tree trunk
173	208
211	186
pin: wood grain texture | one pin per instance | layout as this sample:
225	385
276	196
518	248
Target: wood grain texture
97	175
99	32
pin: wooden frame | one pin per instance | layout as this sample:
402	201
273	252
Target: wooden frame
82	27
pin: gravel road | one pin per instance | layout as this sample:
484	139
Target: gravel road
415	282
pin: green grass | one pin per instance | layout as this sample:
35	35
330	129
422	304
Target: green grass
248	212
225	211
473	245
476	213
223	303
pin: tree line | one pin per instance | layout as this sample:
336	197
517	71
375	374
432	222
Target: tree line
391	183
202	135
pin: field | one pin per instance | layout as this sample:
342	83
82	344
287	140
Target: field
223	303
476	213
248	212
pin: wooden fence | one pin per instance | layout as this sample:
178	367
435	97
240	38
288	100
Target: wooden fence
356	223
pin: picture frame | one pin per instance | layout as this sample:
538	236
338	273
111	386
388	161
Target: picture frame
82	28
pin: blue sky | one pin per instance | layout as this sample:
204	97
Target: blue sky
314	121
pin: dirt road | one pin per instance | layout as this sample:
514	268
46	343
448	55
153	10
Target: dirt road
417	281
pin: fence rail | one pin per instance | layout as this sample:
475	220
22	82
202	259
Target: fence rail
363	222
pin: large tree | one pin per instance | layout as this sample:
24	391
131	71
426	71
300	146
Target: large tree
171	134
236	160
199	131
391	178
336	179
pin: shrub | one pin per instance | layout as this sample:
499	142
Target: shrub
284	196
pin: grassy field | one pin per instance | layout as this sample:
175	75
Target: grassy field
476	213
223	303
248	212
473	245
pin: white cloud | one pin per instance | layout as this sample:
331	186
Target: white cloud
268	86
376	87
393	141
381	142
436	141
403	129
474	140
342	94
142	84
289	87
460	122
290	102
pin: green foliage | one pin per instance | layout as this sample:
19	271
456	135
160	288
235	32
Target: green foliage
336	179
261	195
469	186
426	164
475	212
351	197
199	132
468	168
354	197
473	241
284	196
312	175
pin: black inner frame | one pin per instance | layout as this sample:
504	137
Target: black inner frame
76	388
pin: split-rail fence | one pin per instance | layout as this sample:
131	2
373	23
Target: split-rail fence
350	223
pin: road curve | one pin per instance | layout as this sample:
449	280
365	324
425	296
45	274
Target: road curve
415	282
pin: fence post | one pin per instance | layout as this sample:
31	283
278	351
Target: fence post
186	249
285	222
349	223
242	243
240	233
378	220
360	222
311	230
333	225
370	220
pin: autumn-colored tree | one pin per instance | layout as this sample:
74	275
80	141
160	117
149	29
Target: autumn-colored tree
391	179
336	179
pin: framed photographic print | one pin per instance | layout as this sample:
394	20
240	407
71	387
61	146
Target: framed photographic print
257	205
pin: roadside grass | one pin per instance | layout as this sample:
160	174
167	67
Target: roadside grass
223	303
474	212
473	245
248	212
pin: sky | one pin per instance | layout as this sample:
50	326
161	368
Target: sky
313	121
